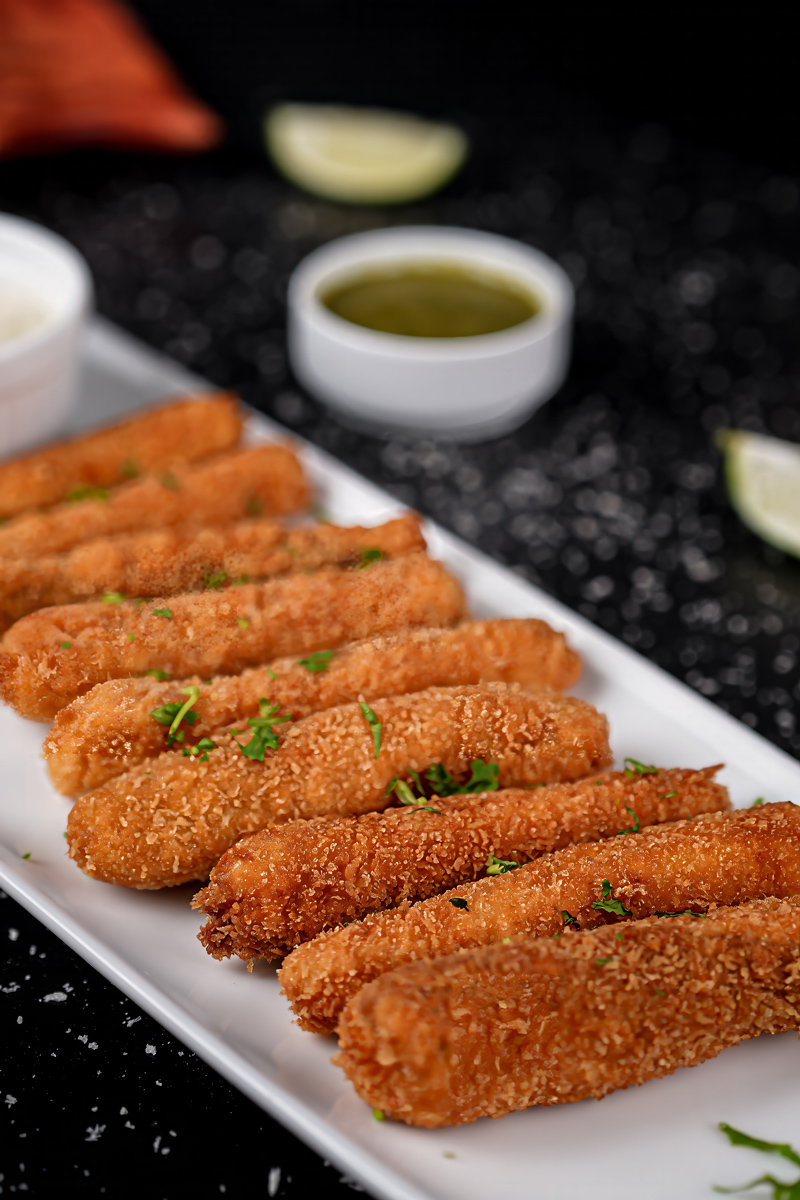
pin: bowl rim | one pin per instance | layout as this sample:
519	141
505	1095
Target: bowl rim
344	255
20	230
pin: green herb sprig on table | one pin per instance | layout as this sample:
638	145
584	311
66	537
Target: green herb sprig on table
264	736
781	1190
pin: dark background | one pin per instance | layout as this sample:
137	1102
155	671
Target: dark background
656	158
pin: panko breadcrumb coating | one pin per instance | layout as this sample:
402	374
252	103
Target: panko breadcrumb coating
286	884
151	440
166	562
265	480
722	858
171	823
49	658
542	1021
110	730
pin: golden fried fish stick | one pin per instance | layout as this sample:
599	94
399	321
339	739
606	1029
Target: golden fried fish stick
262	480
542	1021
171	824
110	730
284	885
723	858
151	440
56	654
166	562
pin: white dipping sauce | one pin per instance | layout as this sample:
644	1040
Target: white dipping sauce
21	311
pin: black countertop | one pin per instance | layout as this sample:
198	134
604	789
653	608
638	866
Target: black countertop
610	498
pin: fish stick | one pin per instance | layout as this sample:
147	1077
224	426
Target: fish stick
169	825
264	480
284	885
110	729
49	658
178	432
166	562
722	858
542	1021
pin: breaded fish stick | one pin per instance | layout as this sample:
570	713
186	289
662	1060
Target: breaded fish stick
166	562
543	1021
171	824
286	884
256	481
56	654
110	730
723	858
150	440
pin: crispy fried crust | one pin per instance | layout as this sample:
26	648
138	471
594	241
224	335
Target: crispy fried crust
723	858
110	729
284	885
170	825
490	1031
166	562
179	432
263	480
54	655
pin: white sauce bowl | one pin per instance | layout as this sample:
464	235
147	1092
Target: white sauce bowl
464	388
38	366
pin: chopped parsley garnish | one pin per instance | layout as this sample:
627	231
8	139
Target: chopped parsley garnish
406	796
215	579
655	989
568	918
377	1115
170	481
240	580
374	725
634	828
682	912
781	1190
25	857
368	556
159	675
601	962
129	469
86	491
114	598
66	645
162	612
201	749
264	736
458	902
632	768
499	866
174	714
609	904
320	660
243	623
504	942
254	506
484	778
131	637
271	673
668	795
320	514
758	802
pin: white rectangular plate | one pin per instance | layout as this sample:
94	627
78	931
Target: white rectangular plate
658	1141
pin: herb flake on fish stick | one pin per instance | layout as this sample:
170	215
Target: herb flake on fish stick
374	725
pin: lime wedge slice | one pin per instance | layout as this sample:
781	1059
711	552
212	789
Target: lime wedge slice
763	476
362	155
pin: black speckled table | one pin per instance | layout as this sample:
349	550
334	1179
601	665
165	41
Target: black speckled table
611	498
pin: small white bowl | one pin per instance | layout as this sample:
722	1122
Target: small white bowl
38	367
464	388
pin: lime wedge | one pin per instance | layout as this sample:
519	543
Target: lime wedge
763	476
362	155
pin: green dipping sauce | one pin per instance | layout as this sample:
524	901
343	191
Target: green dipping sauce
433	300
